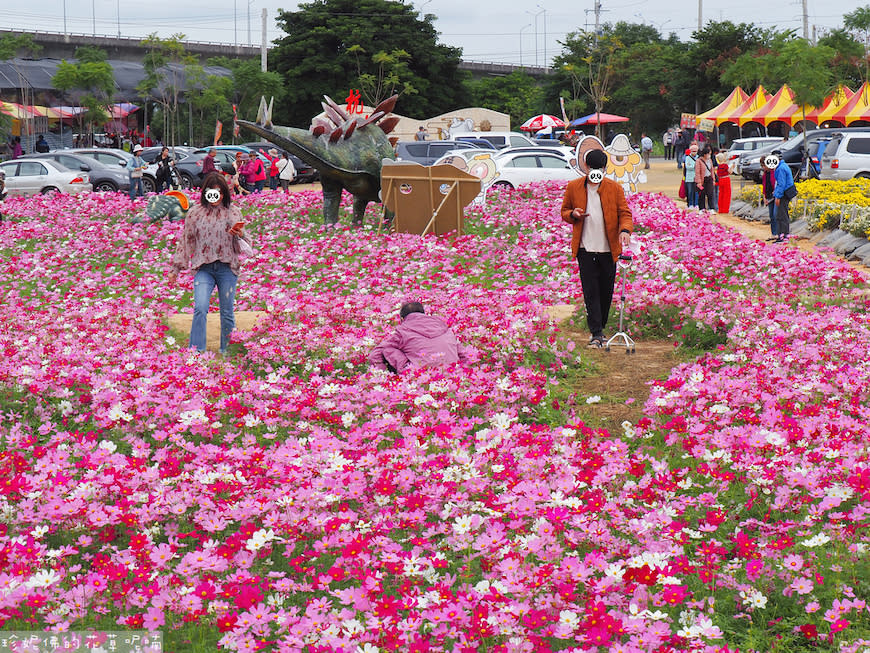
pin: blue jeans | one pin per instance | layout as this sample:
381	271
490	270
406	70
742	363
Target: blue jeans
136	187
691	194
259	185
207	277
771	211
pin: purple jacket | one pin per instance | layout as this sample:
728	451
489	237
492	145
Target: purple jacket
419	340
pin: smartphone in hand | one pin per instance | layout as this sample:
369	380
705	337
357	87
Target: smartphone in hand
238	226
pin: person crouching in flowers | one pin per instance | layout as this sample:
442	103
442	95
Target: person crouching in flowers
419	340
209	244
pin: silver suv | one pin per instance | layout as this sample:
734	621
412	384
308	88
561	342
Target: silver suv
846	156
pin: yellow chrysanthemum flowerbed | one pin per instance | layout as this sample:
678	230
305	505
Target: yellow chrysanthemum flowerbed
828	204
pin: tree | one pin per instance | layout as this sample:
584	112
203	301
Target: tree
715	48
12	45
169	68
589	65
390	76
249	83
516	94
317	56
92	83
848	56
859	21
809	74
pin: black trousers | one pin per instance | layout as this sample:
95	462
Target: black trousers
597	276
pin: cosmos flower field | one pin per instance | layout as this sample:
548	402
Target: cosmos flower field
287	498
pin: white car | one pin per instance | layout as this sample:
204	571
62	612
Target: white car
25	177
741	145
526	167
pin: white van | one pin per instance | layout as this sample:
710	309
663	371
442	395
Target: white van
501	140
846	156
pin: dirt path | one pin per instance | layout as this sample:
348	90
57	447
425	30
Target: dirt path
663	177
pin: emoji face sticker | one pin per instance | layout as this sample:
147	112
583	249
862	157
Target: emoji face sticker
771	161
596	176
212	195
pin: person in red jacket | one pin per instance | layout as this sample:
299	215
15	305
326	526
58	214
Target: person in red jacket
255	173
601	222
208	163
418	341
273	156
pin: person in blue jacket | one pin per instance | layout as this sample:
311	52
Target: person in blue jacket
783	192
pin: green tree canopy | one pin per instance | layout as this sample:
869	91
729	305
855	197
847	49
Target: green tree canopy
91	83
317	57
516	94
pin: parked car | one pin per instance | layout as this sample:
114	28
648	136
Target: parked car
428	152
103	178
564	151
741	145
790	151
190	167
114	157
524	167
25	177
501	139
846	156
813	168
305	173
177	152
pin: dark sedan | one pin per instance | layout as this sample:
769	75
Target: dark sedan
190	167
104	178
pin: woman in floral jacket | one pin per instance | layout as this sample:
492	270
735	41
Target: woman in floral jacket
209	244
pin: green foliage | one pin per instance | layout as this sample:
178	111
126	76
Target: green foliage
163	82
859	21
516	94
848	56
91	83
249	83
317	57
12	45
390	76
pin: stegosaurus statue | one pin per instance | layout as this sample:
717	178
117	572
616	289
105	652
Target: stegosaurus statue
346	150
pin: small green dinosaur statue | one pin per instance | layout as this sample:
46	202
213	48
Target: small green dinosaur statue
346	150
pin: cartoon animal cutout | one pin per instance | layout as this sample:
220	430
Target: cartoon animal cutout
624	163
173	205
481	166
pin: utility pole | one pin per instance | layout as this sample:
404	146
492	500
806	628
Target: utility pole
700	15
263	64
806	20
597	19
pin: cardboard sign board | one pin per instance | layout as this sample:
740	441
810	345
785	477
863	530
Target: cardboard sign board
427	198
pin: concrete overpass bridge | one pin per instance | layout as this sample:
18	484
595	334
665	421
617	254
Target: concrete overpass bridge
56	45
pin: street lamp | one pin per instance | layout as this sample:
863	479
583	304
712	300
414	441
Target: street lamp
250	2
536	14
521	42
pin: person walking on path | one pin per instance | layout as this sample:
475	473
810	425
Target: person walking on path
421	134
418	341
164	170
286	172
136	167
209	245
602	223
767	184
783	193
646	146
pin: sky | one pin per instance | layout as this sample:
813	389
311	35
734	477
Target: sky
487	30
